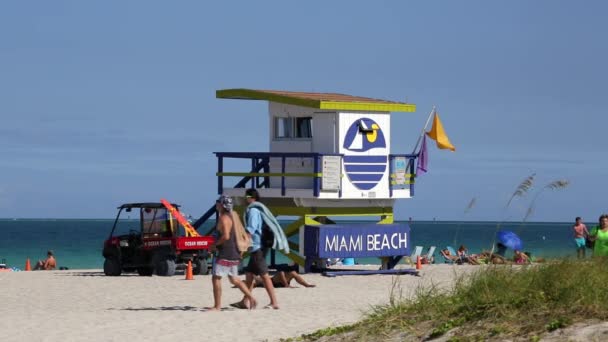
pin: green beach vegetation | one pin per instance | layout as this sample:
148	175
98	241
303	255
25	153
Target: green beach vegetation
496	302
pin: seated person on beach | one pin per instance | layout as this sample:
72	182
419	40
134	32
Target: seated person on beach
426	260
283	278
48	264
446	254
465	257
521	257
492	257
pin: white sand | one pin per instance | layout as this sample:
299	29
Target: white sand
88	306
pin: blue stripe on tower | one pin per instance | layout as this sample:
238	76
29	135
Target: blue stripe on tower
365	159
364	168
364	186
367	177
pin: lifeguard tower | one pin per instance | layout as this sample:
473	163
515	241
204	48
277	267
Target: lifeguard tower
329	156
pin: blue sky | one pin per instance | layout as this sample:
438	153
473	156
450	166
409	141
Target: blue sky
110	102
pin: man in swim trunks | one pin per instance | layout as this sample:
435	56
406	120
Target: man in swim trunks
227	256
580	233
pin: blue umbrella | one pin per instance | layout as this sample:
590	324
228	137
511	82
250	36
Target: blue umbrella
509	239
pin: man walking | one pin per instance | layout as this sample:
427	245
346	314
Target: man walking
257	262
228	257
580	233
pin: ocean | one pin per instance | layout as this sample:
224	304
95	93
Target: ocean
77	244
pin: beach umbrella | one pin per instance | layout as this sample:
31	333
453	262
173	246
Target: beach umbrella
509	239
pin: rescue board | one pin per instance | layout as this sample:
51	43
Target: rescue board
190	231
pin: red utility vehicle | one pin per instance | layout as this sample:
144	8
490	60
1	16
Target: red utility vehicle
153	241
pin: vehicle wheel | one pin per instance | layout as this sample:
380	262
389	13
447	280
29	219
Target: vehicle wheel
145	271
111	267
165	267
200	266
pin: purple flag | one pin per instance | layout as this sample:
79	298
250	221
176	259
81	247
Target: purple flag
423	157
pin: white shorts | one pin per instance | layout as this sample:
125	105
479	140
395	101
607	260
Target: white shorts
222	267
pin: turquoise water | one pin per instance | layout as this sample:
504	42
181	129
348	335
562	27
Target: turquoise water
77	243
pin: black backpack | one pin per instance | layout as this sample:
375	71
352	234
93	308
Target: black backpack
267	236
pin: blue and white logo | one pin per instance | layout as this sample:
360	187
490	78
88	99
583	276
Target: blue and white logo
363	135
364	171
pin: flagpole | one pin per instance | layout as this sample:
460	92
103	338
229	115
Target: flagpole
421	136
424	129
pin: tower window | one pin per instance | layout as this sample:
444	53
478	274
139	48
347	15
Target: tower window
283	128
293	128
304	127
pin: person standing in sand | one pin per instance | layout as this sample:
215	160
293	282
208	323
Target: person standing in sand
257	262
599	234
226	261
580	233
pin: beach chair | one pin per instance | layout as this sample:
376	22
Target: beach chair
430	255
450	259
417	253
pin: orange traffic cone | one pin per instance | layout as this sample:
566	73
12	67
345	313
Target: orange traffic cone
28	266
189	271
418	263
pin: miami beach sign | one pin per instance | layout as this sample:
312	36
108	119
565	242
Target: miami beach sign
361	240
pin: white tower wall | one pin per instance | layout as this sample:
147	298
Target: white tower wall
367	170
362	137
291	144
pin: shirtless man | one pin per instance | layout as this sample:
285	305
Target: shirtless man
580	233
227	255
283	278
48	264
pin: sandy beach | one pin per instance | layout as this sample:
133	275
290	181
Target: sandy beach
85	305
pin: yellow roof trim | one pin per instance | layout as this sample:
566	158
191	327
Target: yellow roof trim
314	100
367	106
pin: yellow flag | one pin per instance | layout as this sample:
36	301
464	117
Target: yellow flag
438	134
